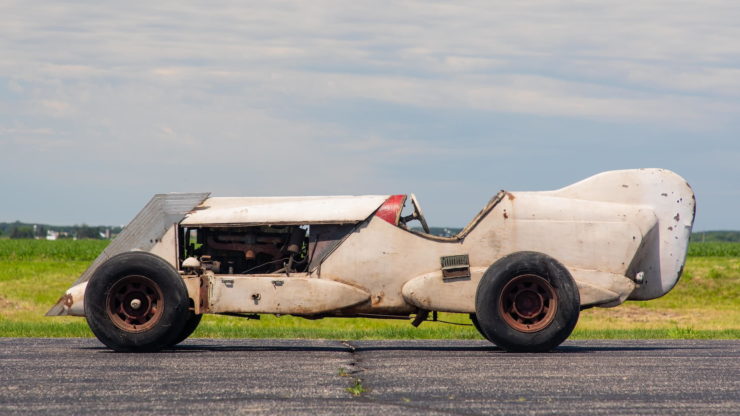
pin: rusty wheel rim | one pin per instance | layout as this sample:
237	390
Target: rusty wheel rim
135	303
528	303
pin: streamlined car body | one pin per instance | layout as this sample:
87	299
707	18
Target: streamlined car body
523	268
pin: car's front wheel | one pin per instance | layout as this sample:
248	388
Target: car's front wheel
191	324
527	302
136	301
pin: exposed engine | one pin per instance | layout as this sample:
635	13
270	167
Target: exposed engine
247	250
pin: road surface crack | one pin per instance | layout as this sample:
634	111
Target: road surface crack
357	389
360	390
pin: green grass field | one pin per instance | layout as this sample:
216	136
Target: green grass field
705	303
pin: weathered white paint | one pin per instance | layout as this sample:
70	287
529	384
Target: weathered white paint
672	202
166	246
280	294
73	300
380	262
603	242
193	286
602	288
285	210
431	292
606	230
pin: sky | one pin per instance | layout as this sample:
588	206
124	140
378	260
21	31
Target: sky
103	104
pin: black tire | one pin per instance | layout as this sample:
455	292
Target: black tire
190	325
136	302
476	324
527	302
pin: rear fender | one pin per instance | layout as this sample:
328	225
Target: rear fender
658	262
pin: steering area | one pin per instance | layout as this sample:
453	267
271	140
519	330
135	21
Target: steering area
417	215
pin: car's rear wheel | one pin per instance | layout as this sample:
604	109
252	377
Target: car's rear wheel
476	324
527	302
136	301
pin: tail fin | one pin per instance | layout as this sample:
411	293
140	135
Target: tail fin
662	255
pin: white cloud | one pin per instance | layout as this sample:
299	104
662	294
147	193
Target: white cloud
582	60
55	107
244	89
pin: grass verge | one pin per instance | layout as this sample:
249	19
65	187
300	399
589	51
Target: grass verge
704	305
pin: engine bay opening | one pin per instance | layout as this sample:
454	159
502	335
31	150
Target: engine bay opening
263	249
247	250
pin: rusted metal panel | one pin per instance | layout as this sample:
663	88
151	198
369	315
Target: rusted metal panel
224	211
72	300
194	286
280	294
143	232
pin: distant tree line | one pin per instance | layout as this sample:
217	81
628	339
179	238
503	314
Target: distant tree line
19	229
716	236
698	237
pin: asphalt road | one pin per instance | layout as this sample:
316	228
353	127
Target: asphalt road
311	377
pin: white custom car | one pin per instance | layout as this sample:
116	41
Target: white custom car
523	268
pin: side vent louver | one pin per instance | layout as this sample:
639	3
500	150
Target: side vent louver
455	267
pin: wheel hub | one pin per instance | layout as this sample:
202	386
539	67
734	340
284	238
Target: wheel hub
135	303
528	303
